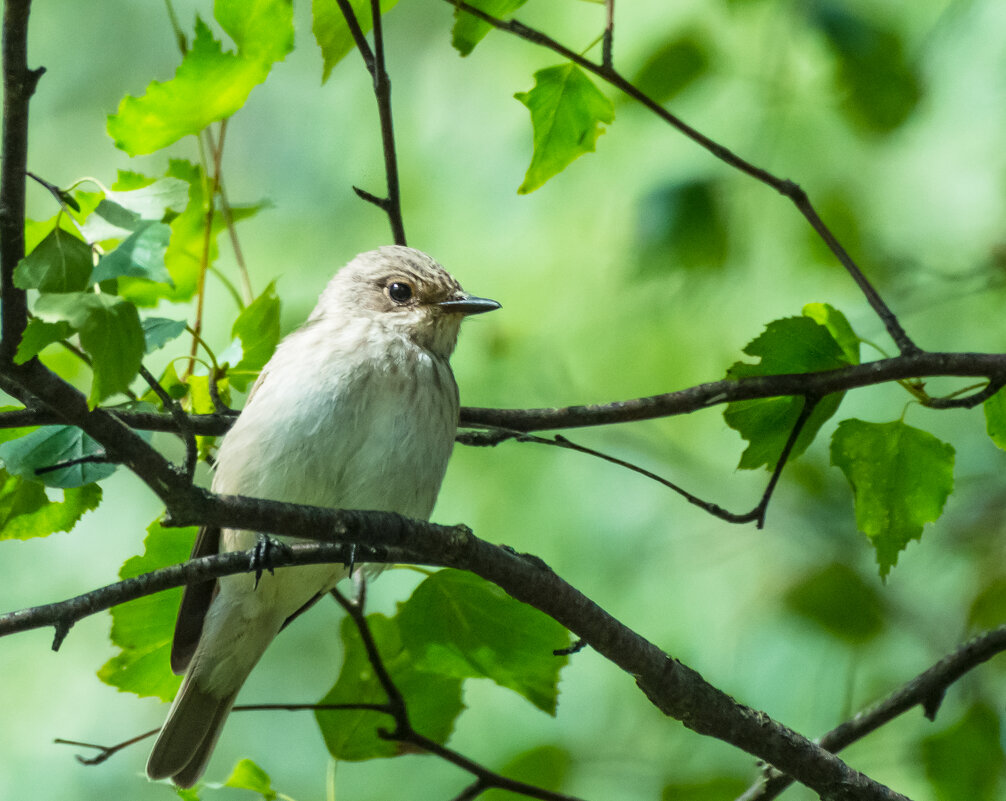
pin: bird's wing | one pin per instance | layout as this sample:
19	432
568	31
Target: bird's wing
195	601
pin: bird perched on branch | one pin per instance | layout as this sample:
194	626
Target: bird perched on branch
357	409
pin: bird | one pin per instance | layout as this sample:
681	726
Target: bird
356	409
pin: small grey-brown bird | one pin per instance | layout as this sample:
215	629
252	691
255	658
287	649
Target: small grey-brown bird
357	409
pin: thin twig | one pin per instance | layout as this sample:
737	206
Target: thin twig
607	61
785	187
374	61
179	416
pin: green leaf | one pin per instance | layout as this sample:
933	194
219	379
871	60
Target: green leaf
171	383
331	32
995	418
882	88
790	345
140	255
60	263
109	221
838	326
110	332
566	112
37	336
469	30
966	760
433	700
673	66
257	329
50	445
837	600
26	510
249	776
210	84
900	476
158	331
457	624
546	766
682	226
151	200
143	629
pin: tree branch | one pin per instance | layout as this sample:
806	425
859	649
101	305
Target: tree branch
674	688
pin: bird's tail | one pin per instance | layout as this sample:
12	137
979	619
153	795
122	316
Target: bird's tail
190	733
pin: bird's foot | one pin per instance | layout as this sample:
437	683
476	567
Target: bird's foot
264	554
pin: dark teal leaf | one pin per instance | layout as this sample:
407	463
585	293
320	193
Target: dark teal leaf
457	624
50	445
60	263
140	255
109	221
901	477
682	226
836	599
469	30
158	331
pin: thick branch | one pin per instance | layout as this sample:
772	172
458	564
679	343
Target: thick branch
674	688
18	86
670	404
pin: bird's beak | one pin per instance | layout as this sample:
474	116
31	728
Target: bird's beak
468	304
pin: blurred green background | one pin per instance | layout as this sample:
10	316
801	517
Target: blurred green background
643	268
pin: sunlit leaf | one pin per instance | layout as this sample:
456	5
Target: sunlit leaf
143	629
433	699
210	84
27	511
566	113
790	345
249	776
458	624
332	33
836	599
60	263
110	332
469	30
257	329
966	760
838	326
37	336
901	476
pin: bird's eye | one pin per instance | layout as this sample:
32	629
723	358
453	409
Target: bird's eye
399	291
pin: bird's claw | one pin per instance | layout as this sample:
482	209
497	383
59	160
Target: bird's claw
263	555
